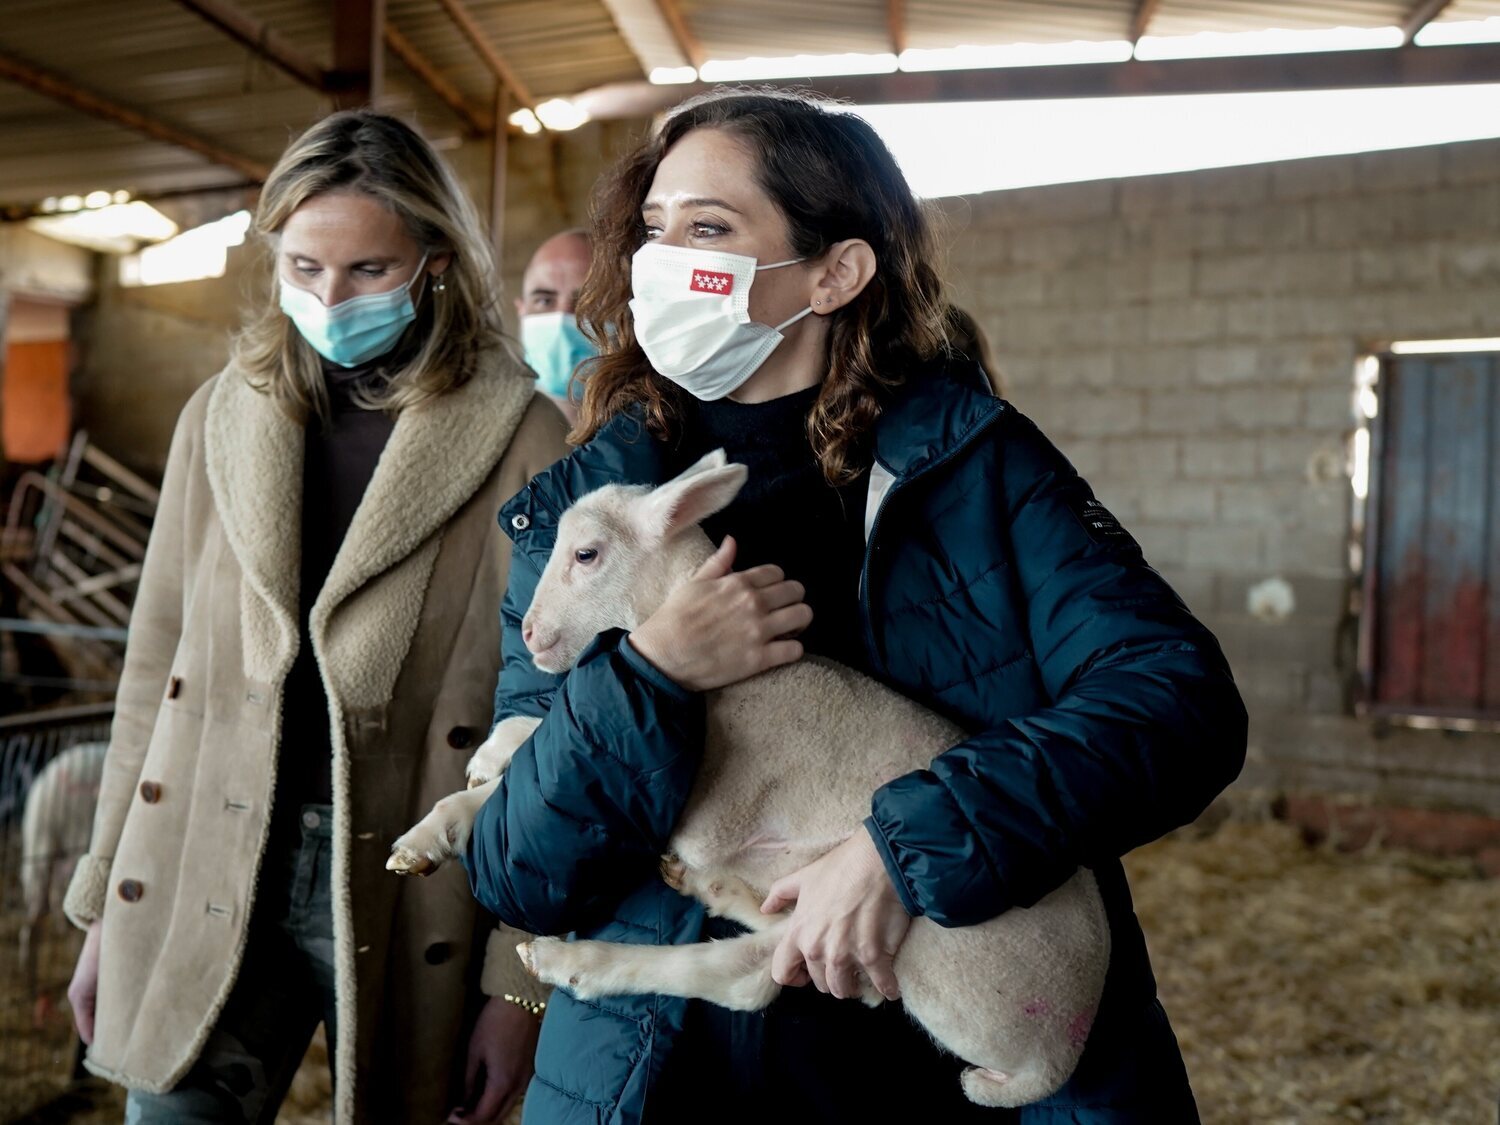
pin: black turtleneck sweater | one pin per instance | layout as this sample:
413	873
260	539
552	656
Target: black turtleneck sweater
340	457
788	514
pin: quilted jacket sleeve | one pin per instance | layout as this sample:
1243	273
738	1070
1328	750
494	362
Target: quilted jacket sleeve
1145	728
586	807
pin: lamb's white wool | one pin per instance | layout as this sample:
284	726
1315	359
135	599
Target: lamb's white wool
791	760
55	828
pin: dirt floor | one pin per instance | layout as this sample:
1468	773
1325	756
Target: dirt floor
1307	986
1310	986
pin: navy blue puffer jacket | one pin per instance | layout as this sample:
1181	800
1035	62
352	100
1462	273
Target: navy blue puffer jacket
997	591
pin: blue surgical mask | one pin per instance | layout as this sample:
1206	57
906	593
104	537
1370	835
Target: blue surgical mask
554	346
353	331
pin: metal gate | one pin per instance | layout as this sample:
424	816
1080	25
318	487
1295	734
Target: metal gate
1432	573
49	781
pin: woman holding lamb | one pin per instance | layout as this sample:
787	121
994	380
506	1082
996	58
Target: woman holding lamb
763	283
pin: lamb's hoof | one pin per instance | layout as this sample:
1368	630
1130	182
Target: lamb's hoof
673	872
548	959
478	779
404	861
987	1087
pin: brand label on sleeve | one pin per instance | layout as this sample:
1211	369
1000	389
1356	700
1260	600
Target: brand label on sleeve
1098	522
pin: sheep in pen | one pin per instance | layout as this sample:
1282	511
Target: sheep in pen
49	780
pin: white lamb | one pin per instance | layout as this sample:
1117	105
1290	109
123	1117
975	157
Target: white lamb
55	828
791	760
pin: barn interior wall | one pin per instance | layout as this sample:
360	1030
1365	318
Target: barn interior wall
1189	341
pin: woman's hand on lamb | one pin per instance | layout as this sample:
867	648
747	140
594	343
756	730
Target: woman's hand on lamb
848	921
723	626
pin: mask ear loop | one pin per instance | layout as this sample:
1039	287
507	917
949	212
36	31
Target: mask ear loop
793	319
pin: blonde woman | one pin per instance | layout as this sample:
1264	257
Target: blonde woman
313	652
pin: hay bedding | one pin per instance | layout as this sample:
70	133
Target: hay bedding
1310	986
1306	986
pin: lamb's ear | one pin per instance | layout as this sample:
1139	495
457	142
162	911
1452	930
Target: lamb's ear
715	460
687	500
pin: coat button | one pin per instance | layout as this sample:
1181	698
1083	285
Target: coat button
520	523
437	953
131	890
150	792
311	819
174	687
461	738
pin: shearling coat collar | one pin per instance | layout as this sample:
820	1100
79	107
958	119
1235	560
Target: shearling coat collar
437	455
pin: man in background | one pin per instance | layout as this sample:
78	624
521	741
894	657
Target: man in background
550	337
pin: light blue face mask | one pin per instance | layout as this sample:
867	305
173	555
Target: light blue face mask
353	331
554	346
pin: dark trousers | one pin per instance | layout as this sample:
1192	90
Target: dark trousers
284	989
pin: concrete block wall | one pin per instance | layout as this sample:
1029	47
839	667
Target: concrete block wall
1189	342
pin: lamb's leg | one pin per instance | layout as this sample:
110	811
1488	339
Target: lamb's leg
726	896
495	753
733	973
441	834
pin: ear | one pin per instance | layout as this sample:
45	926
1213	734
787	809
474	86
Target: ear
705	488
715	460
846	269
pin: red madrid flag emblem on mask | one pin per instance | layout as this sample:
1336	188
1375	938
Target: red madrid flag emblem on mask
707	281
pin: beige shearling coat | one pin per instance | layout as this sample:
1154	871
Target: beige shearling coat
407	638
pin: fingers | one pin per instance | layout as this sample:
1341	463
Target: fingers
781	594
787	966
767	574
783	894
839	976
721	562
819	974
492	1101
882	973
778	653
790	621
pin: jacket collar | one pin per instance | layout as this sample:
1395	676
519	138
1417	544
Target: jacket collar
933	414
437	456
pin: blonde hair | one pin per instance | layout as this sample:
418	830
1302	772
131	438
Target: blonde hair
382	157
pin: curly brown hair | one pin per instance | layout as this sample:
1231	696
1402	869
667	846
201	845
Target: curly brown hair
833	179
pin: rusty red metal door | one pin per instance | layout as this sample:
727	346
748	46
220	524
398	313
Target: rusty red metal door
1432	560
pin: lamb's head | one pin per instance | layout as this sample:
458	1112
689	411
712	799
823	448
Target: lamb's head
620	551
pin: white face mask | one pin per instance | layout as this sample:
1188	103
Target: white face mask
692	317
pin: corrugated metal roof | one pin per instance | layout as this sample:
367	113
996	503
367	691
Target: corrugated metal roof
161	59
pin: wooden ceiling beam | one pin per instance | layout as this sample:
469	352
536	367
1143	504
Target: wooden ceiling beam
85	101
1140	22
464	20
1404	66
261	38
479	121
686	39
895	21
358	75
1420	16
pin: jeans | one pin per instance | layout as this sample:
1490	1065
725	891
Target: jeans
284	989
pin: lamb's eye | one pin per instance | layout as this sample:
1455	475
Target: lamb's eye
586	555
